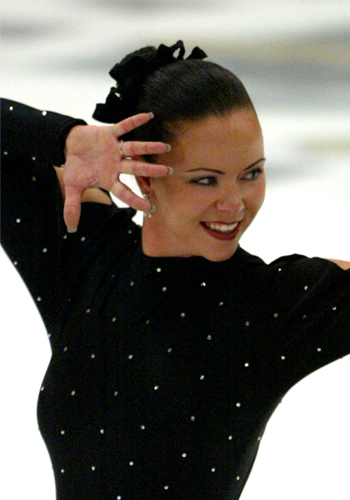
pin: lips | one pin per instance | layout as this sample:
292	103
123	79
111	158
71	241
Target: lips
221	230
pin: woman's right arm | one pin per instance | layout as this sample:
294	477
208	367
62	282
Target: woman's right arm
32	134
91	154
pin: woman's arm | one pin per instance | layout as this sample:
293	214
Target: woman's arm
32	134
92	155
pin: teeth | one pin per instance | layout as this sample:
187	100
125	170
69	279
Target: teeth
222	228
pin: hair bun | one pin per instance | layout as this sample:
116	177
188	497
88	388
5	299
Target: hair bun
131	73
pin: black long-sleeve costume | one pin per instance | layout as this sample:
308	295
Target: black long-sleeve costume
164	371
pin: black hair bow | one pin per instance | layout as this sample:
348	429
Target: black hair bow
131	73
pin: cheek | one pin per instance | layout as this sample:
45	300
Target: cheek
256	198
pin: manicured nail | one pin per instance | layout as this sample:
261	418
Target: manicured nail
171	170
151	114
168	147
71	231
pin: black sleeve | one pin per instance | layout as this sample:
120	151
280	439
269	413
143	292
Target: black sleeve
33	233
31	133
311	316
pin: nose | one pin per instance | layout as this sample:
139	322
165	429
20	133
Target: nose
232	202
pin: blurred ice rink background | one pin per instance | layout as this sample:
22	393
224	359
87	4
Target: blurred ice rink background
294	58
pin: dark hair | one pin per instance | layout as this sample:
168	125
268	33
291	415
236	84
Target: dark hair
175	90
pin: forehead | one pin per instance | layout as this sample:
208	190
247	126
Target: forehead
233	138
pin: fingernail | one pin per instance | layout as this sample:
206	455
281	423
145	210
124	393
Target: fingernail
171	170
73	230
151	114
168	147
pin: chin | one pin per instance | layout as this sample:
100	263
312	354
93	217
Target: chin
220	256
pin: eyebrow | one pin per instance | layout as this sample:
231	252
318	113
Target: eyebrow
220	171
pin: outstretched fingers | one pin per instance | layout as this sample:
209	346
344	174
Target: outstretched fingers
72	208
126	195
132	122
138	148
143	169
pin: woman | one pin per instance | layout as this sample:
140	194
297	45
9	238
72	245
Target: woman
171	345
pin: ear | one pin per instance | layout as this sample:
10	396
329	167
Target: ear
144	183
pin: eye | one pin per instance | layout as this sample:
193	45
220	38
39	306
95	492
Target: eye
253	175
205	181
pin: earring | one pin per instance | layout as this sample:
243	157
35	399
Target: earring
152	209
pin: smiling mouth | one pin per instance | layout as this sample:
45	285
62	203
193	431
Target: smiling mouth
222	231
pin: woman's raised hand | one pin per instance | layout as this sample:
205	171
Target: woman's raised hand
94	158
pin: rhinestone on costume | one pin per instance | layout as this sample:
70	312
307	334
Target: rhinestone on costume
221	303
147	322
319	349
114	319
65	349
42	388
306	287
230	438
203	284
18	221
33	178
164	289
334	308
115	393
247	323
166	487
63	432
209	337
11	108
88	311
156	387
82	238
193	418
102	431
62	471
33	158
142	427
275	315
170	349
5	153
130	356
119	497
44	113
131	464
44	250
238	405
38	299
202	377
15	263
238	478
93	467
72	393
93	356
246	365
182	315
132	283
159	270
259	438
213	469
184	455
283	358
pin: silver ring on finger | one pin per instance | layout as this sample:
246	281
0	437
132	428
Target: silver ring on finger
121	152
